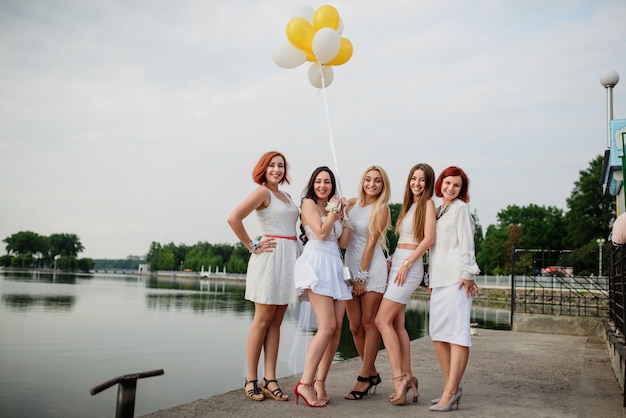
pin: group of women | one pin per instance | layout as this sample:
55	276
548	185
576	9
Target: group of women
375	294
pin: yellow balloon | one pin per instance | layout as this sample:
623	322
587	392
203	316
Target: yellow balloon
310	57
326	17
344	54
300	33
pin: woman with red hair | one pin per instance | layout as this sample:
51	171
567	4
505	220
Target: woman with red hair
269	278
452	271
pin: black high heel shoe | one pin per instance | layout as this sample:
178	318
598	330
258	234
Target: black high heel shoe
356	395
374	382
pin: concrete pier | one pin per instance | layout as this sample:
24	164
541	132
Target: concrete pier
510	374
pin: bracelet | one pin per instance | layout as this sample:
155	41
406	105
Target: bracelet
362	276
254	245
406	263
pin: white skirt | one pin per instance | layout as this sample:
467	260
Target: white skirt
319	268
450	313
415	275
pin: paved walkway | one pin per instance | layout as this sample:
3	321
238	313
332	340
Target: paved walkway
510	374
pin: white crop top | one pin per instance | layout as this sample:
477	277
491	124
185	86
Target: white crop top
406	228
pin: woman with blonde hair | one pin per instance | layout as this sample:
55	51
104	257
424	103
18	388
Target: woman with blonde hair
416	233
370	219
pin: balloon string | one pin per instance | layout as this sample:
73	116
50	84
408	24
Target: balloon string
330	132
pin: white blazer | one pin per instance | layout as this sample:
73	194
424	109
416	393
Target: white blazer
452	257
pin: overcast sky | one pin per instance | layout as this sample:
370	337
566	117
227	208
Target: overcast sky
127	122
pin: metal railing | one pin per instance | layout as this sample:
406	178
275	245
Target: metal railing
125	392
557	295
617	296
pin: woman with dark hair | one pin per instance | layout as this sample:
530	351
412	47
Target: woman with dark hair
452	271
416	233
370	220
319	279
269	278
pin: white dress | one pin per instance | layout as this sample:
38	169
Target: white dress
269	279
319	268
377	271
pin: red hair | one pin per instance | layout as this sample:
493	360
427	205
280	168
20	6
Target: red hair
259	170
453	171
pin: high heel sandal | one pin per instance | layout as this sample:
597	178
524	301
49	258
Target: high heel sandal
399	397
317	403
326	398
276	394
413	384
456	399
254	393
374	382
356	395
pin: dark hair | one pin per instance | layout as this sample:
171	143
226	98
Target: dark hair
260	169
309	193
419	217
453	171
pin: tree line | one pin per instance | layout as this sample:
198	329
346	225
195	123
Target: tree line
556	238
27	249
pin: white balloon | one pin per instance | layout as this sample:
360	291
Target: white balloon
315	75
326	44
285	55
304	11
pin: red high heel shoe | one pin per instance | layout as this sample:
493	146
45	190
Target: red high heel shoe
316	404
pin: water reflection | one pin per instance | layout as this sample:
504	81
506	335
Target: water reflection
24	302
45	277
111	324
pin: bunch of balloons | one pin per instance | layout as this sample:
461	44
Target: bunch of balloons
314	36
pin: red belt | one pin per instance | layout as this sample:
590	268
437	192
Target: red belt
281	237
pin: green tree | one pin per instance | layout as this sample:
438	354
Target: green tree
542	227
590	211
492	257
65	245
392	238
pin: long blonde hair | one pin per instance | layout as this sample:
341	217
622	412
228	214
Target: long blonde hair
419	217
381	203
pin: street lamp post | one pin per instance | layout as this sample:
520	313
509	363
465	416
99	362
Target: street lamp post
600	242
609	79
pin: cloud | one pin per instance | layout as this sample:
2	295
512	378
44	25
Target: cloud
128	123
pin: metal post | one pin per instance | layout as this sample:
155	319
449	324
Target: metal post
609	79
126	390
600	242
512	284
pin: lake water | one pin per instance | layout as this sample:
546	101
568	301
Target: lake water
61	335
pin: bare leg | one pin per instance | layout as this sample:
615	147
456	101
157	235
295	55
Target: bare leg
370	303
263	316
270	347
272	341
329	354
323	307
445	355
353	310
387	313
399	325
